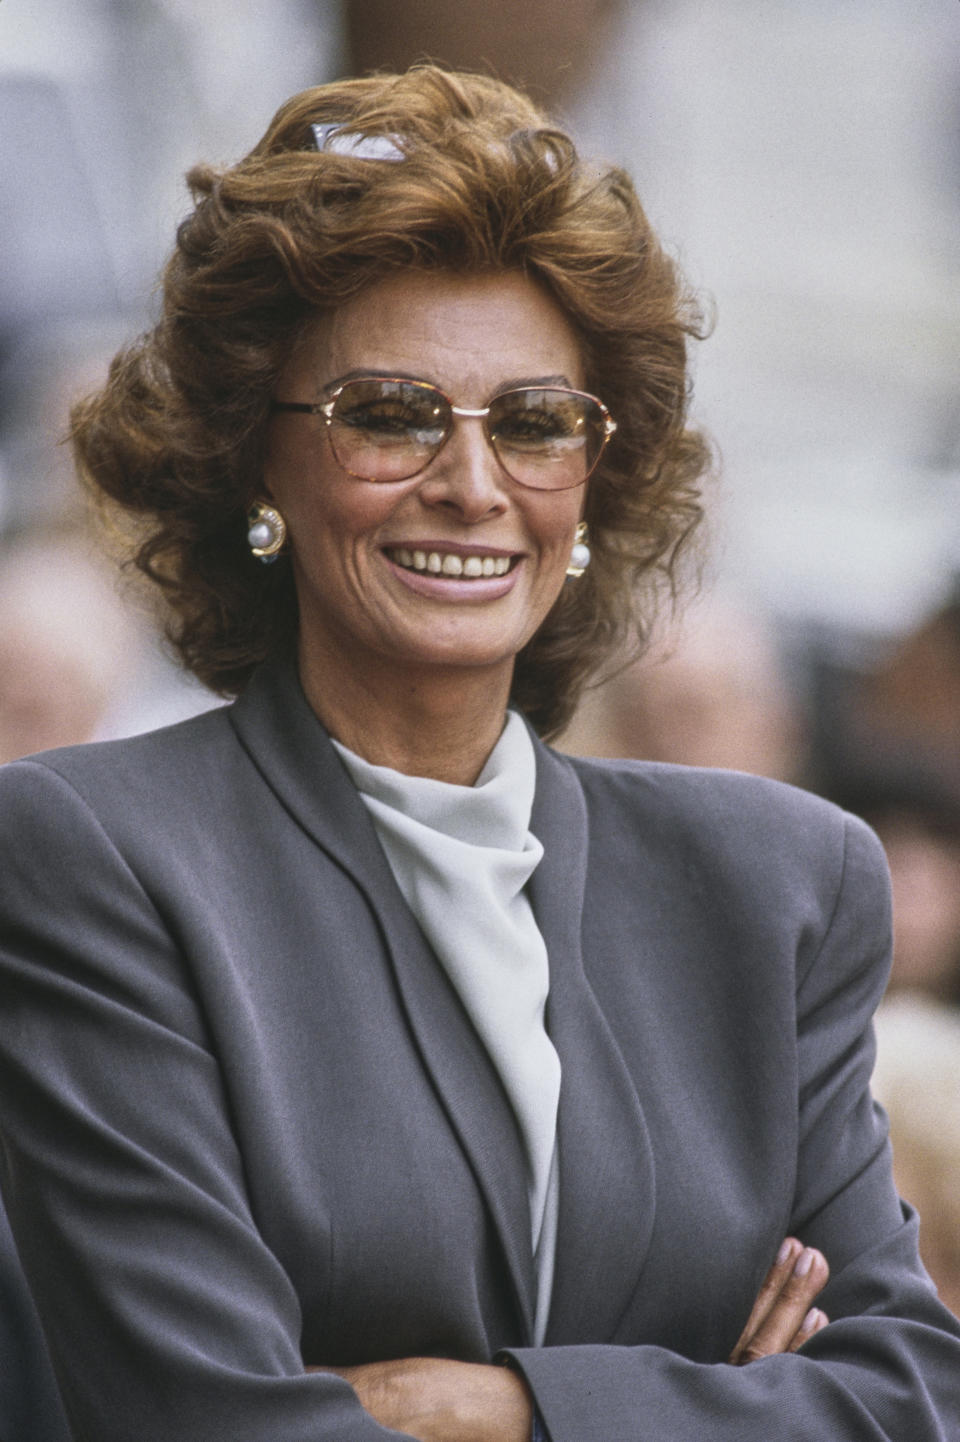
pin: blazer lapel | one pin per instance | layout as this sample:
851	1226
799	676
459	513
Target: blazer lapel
289	747
607	1194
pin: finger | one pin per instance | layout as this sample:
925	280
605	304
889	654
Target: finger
769	1291
813	1322
785	1318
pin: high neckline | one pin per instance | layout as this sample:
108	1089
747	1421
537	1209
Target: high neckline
493	812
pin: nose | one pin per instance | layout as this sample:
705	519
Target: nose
465	477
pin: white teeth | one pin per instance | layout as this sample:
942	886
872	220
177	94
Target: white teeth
448	563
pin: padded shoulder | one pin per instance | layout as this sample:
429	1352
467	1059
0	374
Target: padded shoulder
754	852
715	812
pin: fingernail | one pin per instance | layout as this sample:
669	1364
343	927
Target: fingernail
810	1320
804	1263
784	1252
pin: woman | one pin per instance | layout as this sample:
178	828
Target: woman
296	1143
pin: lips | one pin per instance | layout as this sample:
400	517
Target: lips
455	564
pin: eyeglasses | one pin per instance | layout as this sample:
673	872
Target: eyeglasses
385	429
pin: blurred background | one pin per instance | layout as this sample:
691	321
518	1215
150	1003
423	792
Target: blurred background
803	163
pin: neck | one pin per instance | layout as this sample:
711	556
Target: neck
438	722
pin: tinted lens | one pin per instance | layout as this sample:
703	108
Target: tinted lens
387	430
546	438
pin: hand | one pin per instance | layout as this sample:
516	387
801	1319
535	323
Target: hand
436	1400
783	1317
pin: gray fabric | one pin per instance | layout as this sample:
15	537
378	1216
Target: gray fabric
462	857
30	1408
246	1120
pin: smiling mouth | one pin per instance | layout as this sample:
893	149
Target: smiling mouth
451	563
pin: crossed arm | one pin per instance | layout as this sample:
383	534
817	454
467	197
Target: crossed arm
436	1400
138	1156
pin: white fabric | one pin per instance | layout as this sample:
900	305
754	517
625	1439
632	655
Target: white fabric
462	856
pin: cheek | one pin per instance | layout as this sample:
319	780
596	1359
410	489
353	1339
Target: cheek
338	524
556	528
298	471
315	502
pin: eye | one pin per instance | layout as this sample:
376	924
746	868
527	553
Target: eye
387	417
536	424
391	415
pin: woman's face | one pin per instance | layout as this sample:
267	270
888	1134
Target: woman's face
360	605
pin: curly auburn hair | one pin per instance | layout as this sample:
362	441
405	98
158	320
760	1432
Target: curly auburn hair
177	434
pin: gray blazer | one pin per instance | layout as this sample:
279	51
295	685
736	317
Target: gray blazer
30	1407
247	1123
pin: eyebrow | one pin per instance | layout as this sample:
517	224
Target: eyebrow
515	383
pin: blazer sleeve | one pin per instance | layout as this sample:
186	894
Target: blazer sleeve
888	1365
29	1401
165	1313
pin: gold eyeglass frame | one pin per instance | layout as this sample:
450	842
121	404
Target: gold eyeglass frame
326	408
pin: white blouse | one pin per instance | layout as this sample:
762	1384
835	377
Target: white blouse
462	856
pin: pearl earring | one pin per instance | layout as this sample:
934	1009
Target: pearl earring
267	535
580	552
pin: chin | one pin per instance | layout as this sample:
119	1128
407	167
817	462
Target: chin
461	650
462	645
464	656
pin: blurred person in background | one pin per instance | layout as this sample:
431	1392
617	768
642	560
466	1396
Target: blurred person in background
909	703
917	1079
923	850
67	645
916	814
886	745
712	692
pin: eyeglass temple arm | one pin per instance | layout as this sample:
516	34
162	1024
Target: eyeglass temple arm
304	407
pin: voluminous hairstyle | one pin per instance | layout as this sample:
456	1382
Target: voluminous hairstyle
177	435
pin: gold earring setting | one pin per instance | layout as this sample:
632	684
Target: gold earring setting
267	533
